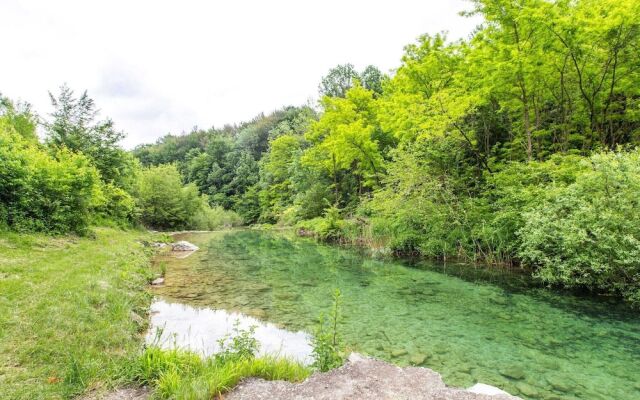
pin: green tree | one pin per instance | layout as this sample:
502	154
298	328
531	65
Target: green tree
74	127
338	81
348	138
20	117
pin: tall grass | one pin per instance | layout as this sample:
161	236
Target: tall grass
185	375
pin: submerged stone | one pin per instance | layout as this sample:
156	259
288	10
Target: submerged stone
527	390
399	352
559	384
417	359
258	313
513	372
287	296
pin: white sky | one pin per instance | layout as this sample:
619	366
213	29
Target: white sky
166	66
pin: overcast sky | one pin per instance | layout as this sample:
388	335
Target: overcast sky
166	66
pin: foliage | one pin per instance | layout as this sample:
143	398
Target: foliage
340	79
587	234
20	117
329	227
39	192
74	127
328	349
241	344
166	203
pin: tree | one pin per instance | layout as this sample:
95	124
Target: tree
20	117
372	79
347	137
338	81
74	127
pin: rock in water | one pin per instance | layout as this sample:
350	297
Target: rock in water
399	352
513	372
559	384
157	281
184	246
417	359
527	390
481	388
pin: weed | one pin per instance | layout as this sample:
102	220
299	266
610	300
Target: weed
328	348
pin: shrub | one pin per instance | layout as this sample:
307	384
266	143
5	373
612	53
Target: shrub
211	218
587	234
165	203
39	192
117	205
330	227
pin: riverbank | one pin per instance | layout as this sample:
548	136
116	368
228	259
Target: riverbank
73	311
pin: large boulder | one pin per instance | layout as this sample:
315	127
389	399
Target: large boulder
363	378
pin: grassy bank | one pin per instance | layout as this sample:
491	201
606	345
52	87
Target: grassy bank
66	312
72	319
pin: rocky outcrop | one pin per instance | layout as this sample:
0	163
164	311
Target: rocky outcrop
365	378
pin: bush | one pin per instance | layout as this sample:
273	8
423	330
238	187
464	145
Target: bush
211	218
515	190
41	193
162	199
165	203
117	205
330	227
587	234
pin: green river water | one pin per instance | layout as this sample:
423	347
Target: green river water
470	324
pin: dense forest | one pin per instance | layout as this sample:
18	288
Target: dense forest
516	146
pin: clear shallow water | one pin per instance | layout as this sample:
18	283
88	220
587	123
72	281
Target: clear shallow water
175	325
470	324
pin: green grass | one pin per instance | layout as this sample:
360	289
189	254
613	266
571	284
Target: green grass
184	375
66	305
67	323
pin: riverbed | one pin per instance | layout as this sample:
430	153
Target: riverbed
470	324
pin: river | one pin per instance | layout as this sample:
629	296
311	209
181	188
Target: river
468	323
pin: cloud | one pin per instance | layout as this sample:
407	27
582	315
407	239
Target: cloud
164	66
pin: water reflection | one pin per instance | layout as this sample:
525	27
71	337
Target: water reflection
199	330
